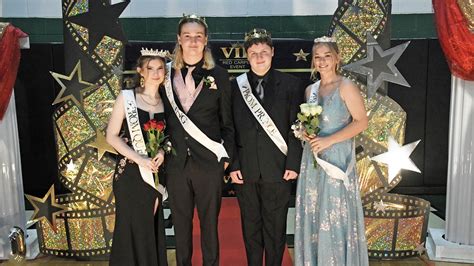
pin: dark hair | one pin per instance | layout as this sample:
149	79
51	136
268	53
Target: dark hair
142	62
257	36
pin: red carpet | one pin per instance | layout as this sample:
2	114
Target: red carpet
232	250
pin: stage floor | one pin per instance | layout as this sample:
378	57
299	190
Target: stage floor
434	222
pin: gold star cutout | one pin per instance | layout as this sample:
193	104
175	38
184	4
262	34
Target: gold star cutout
301	55
101	145
46	208
73	87
397	157
380	206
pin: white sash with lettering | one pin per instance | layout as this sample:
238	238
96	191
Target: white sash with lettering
136	135
188	125
330	169
260	114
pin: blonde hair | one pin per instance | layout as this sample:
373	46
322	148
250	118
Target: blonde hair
178	61
334	50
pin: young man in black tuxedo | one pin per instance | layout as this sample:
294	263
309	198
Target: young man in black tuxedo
267	156
197	102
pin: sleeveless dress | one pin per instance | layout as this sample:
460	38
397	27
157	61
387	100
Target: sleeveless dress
329	218
139	236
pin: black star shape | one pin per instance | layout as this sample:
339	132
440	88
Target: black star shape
72	85
46	208
101	20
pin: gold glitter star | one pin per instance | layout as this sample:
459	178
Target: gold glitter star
73	87
101	145
301	55
46	208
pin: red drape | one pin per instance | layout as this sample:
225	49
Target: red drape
455	38
9	61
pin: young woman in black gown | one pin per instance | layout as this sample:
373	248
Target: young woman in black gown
139	234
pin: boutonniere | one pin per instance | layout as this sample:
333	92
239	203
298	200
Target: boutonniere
211	82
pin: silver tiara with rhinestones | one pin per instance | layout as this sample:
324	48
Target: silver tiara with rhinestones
324	39
152	52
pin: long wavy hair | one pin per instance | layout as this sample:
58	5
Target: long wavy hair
178	61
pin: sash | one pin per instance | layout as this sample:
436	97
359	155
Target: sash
136	135
188	125
330	169
260	114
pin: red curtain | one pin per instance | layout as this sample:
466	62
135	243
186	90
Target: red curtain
9	61
455	38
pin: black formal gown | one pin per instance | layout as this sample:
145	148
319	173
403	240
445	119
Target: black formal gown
139	236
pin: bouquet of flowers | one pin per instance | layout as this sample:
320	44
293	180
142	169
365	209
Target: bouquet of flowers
157	140
307	122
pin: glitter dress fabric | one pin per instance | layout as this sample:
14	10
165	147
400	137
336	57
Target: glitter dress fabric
139	236
329	218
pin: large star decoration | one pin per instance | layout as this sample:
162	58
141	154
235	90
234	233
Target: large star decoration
101	20
46	208
379	66
301	55
397	157
101	144
72	85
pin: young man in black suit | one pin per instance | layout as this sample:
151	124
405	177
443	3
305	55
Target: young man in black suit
197	102
267	156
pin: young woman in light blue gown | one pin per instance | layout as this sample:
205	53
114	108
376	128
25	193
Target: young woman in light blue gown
329	217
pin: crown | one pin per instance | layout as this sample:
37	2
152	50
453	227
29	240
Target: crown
152	52
325	39
194	17
257	34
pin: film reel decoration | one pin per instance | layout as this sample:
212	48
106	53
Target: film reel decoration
350	24
85	163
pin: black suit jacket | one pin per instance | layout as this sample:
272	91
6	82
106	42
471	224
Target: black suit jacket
211	113
255	153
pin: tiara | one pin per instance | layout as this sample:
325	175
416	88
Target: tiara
152	52
257	34
325	39
195	17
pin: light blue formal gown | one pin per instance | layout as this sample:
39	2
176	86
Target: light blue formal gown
329	218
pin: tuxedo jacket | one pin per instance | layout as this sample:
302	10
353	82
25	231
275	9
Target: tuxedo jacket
211	113
255	154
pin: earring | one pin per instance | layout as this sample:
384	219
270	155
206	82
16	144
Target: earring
142	81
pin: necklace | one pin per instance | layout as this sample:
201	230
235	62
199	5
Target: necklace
157	102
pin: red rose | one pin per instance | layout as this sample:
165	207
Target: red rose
160	126
146	126
153	124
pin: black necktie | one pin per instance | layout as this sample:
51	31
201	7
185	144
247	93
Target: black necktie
259	89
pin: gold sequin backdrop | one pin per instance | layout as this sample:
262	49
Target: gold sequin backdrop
84	163
401	228
86	230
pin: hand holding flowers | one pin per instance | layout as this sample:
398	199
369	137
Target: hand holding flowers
306	126
157	144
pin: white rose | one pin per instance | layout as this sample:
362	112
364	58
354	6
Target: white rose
305	109
211	79
315	109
